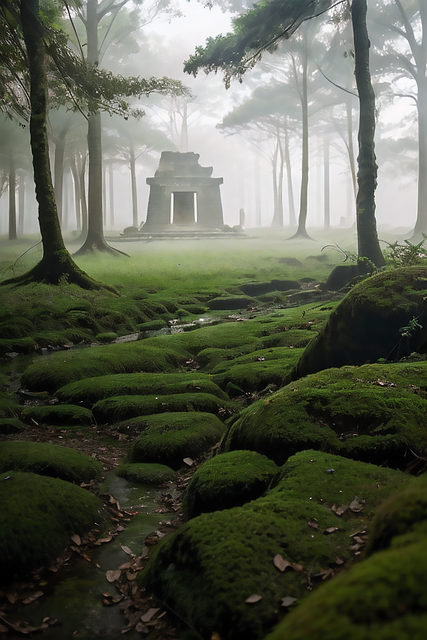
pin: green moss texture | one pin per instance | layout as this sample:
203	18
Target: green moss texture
65	414
146	473
228	480
39	515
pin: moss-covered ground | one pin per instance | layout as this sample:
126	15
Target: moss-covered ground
198	377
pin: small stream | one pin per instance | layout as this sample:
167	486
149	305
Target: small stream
73	595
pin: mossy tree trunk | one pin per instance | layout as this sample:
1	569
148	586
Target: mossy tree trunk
56	263
367	237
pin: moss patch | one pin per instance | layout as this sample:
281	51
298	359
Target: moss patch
38	517
62	368
146	473
169	438
208	568
381	598
367	324
90	390
49	460
61	414
228	480
11	425
374	413
120	408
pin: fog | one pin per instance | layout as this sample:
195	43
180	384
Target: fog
243	160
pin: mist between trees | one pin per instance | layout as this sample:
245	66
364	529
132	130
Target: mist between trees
285	138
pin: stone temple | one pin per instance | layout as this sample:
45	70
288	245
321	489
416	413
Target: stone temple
183	196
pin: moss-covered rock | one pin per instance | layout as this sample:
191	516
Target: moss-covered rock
373	413
228	480
168	438
90	390
208	568
62	368
120	408
11	425
106	336
402	519
372	322
58	414
39	515
146	473
382	598
49	460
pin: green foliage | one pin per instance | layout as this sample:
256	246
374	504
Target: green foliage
405	255
49	460
39	515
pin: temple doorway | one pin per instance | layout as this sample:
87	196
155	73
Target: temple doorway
183	207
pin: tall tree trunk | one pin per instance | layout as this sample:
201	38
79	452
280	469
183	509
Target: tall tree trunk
21	203
58	172
12	198
95	233
257	193
111	193
326	186
274	159
303	90
421	221
291	205
367	237
56	262
133	186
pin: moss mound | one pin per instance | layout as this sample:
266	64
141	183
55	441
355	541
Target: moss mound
169	438
11	425
59	414
208	568
38	517
381	598
120	408
403	516
49	460
62	368
373	413
228	480
90	390
146	473
373	321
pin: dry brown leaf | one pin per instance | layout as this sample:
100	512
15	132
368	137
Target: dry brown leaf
287	601
297	567
356	506
127	550
281	563
188	461
253	598
331	530
312	524
32	597
131	576
146	617
76	539
141	628
339	511
112	576
339	561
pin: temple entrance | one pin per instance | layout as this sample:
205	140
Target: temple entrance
183	207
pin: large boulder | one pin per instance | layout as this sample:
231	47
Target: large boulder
374	413
384	316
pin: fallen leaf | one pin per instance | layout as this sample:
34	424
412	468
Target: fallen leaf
146	617
358	540
339	511
312	524
331	530
112	576
287	601
12	597
127	550
131	576
297	567
356	506
281	563
32	597
339	561
76	539
253	598
188	461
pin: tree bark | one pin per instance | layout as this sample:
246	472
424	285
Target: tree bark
12	198
56	263
132	163
368	244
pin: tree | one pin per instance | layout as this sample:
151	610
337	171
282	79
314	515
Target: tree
259	30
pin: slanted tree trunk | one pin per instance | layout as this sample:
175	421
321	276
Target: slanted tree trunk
56	262
367	237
